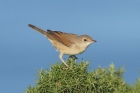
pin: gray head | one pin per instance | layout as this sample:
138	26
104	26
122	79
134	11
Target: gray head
85	40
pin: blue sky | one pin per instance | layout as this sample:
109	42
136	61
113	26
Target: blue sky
114	24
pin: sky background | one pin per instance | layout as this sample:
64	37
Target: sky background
115	24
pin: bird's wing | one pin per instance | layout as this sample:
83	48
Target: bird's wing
64	38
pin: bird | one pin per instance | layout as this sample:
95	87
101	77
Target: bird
66	43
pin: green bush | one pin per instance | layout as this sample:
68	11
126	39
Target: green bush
78	79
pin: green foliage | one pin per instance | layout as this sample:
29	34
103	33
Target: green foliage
77	79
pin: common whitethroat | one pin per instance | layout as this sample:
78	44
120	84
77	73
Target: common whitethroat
66	43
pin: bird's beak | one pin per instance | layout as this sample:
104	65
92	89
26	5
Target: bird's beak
94	40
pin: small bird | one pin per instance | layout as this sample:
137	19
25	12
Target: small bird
66	43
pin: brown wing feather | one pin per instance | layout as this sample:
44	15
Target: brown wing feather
62	37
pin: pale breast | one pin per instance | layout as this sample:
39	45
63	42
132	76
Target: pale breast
73	50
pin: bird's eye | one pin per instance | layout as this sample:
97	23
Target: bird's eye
85	40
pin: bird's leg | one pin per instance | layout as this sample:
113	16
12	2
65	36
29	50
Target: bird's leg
60	56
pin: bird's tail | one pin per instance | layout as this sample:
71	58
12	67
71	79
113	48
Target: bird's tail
37	29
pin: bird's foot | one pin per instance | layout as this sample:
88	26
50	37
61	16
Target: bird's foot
73	57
